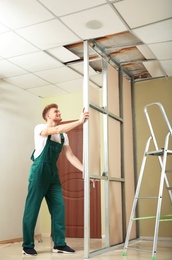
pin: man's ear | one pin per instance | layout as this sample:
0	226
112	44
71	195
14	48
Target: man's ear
46	116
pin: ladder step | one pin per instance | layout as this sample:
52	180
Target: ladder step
159	152
165	220
162	217
141	218
148	197
169	188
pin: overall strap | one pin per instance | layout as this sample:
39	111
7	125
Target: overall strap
62	138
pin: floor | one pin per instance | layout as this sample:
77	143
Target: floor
13	251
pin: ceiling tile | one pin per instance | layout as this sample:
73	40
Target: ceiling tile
63	7
49	34
26	81
154	68
7	69
79	67
147	53
162	50
12	45
102	16
138	13
3	28
58	75
167	66
18	14
47	91
36	61
159	32
72	86
62	54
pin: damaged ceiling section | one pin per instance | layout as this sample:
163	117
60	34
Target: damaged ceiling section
120	50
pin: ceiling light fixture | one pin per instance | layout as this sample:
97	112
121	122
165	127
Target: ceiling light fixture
94	24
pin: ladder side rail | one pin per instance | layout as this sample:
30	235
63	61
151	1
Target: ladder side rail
168	185
163	114
166	150
151	129
136	195
161	164
164	160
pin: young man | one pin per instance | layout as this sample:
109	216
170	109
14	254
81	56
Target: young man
50	139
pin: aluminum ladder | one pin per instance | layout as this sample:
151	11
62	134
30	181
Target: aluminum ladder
162	154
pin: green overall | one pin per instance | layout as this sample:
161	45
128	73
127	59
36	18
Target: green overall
44	182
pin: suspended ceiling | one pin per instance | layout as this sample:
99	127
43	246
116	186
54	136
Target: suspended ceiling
41	42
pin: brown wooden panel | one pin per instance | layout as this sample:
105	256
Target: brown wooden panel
73	192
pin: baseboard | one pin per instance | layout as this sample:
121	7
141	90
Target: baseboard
18	240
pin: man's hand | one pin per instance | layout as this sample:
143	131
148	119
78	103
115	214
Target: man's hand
84	116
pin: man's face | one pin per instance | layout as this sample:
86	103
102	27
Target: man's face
54	114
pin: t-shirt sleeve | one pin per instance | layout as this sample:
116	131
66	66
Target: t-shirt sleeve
39	128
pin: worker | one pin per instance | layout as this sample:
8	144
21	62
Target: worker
50	139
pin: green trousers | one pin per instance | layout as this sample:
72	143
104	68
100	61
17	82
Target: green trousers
44	182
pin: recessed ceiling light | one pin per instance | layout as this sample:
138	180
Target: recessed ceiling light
94	24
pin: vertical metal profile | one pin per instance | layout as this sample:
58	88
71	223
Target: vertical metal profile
86	154
106	151
120	85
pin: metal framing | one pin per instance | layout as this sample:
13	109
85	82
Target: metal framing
105	176
86	156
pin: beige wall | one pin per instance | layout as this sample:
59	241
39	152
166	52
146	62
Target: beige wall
19	112
159	90
70	105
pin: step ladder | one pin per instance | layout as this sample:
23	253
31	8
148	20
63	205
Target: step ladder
161	154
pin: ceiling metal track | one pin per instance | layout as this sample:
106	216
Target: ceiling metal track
101	52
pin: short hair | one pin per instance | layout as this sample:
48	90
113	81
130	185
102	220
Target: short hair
46	109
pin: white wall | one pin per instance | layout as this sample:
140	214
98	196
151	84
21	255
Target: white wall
19	112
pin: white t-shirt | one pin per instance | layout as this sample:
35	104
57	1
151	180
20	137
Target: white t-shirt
40	140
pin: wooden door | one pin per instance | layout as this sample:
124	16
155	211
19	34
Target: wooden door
73	192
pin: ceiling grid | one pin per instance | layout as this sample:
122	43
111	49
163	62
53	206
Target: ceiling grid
41	41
